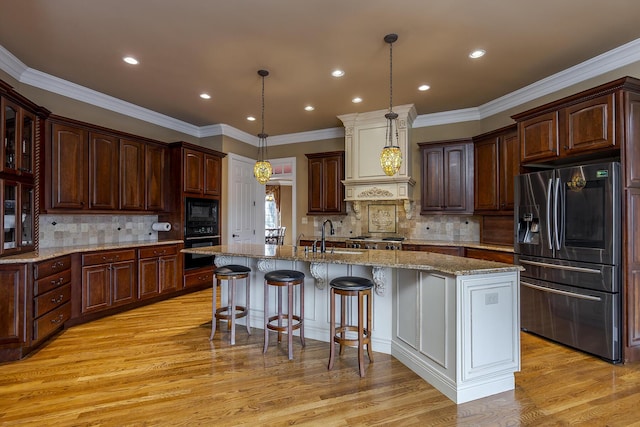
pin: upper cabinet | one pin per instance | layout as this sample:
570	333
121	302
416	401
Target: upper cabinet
201	170
588	124
19	122
95	169
446	177
497	162
326	191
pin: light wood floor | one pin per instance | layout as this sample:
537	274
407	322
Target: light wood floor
155	366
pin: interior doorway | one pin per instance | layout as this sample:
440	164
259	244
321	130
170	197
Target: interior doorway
279	201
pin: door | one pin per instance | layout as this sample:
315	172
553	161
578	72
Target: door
245	211
588	213
533	214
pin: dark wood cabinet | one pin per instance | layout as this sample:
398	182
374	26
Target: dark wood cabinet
198	277
108	279
68	154
497	162
631	134
51	297
156	176
447	174
326	191
132	179
201	172
489	255
158	271
103	175
212	175
444	250
12	314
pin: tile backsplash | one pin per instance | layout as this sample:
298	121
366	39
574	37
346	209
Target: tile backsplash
418	227
72	230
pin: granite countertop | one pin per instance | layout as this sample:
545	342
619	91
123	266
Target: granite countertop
448	264
48	253
466	244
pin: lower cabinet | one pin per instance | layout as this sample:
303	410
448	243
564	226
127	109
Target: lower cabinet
445	250
51	297
158	271
12	312
489	255
108	279
198	277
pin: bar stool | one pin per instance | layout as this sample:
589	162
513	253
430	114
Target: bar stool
350	286
231	311
280	279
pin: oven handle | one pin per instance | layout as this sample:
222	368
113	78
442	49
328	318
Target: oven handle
201	237
549	189
559	292
561	267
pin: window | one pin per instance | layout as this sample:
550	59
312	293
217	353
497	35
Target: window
271	214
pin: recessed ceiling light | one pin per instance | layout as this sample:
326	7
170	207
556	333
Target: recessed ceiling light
251	118
422	88
309	108
205	96
356	100
337	73
478	53
130	60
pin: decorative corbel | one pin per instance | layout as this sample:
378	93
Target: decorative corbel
221	260
320	273
266	264
355	206
379	280
408	208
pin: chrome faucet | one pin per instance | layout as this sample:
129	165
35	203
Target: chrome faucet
323	243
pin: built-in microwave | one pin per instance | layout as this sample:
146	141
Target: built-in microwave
201	217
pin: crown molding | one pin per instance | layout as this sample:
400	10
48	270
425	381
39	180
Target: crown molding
608	61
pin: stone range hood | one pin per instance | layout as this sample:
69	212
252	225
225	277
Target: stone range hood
365	137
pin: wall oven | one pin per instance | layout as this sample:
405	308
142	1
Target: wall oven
201	230
568	239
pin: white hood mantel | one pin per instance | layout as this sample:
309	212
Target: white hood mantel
365	137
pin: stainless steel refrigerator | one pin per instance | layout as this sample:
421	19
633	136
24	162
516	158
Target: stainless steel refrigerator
567	237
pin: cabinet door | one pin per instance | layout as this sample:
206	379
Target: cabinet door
10	136
155	173
12	299
26	217
68	167
455	178
508	169
539	138
631	146
103	173
589	125
487	182
212	175
170	279
27	143
333	167
10	220
96	287
132	178
315	186
148	278
192	169
432	198
123	283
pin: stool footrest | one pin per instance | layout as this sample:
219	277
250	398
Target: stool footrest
241	311
297	323
366	338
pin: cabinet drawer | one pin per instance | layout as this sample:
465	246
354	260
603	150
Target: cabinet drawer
108	257
156	251
45	284
47	268
50	300
51	321
198	277
489	255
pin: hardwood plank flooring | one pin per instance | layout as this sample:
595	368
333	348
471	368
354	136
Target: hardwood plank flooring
154	366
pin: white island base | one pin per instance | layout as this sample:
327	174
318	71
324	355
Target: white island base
460	333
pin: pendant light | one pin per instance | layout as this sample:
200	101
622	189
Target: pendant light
262	169
391	156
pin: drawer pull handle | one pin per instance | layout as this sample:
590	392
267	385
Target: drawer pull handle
58	319
57	300
162	252
57	265
60	281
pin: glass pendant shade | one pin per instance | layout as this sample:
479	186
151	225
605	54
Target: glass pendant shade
262	171
391	159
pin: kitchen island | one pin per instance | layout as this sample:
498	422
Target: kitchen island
454	321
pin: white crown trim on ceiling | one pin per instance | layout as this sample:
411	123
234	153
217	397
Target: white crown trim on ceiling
608	61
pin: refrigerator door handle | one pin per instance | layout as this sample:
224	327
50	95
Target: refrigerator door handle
556	216
561	267
549	189
559	292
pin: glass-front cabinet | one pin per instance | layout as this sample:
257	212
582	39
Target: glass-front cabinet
18	135
17	219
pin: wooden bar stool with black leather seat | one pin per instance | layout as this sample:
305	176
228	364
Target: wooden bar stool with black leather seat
350	286
281	279
231	311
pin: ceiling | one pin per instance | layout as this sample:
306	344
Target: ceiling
186	47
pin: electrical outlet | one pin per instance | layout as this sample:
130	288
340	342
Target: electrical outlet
303	220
